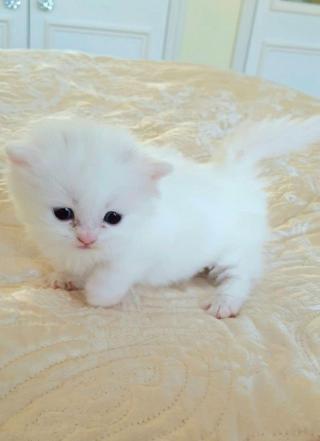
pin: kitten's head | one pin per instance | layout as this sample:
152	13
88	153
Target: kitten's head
79	186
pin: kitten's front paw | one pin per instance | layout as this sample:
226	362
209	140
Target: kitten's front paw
60	281
101	296
223	307
94	299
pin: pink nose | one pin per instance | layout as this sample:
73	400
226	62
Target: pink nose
86	238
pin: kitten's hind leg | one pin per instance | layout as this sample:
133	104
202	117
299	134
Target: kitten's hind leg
229	298
218	274
235	282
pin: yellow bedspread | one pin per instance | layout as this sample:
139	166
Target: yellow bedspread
157	368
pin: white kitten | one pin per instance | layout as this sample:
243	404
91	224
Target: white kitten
109	214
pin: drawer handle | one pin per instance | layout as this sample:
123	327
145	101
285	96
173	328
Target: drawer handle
12	4
46	5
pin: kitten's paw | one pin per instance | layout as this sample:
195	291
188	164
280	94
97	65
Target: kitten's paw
99	296
59	281
67	286
223	307
94	299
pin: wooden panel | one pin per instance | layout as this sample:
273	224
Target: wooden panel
4	34
285	43
13	26
114	41
119	28
295	7
294	66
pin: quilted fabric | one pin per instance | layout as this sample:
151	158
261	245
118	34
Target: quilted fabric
158	368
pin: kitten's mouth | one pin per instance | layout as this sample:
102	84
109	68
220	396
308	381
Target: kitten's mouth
84	247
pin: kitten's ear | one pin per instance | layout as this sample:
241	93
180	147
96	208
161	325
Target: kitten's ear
158	169
21	155
154	169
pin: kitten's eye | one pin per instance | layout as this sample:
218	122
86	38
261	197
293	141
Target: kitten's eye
112	218
63	214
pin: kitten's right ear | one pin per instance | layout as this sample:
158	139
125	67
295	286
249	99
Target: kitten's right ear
21	155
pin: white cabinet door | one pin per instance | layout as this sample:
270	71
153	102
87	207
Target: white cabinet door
13	24
285	44
119	28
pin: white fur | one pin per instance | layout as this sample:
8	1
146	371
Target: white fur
178	216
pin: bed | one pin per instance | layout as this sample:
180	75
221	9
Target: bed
157	367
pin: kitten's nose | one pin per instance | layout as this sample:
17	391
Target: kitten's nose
86	238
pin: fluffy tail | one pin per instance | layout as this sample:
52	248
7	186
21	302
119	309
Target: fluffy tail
271	138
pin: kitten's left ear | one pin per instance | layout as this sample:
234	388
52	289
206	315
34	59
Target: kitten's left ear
158	169
21	155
